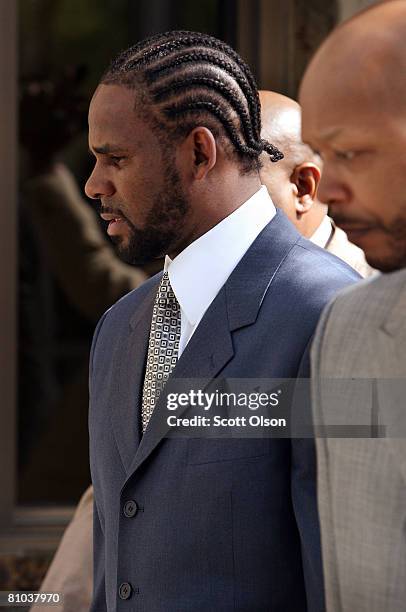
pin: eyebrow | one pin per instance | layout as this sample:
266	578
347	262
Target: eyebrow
331	133
107	150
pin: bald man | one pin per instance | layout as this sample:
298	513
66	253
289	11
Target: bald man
353	97
293	182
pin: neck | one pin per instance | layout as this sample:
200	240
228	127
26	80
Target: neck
312	220
216	204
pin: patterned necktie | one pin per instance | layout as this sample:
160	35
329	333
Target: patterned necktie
163	347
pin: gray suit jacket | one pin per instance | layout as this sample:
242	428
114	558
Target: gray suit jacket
362	492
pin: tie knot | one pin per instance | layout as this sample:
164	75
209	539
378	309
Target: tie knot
165	291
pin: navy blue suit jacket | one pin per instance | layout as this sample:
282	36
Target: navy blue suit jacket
220	525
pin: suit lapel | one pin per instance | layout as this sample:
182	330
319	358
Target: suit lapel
250	281
392	334
211	346
394	323
126	414
390	367
206	354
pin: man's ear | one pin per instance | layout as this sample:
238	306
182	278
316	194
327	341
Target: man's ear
203	151
306	177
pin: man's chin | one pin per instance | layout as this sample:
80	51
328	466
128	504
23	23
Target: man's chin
385	257
371	240
123	250
130	258
385	264
129	255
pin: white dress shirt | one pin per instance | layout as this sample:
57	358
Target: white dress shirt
199	271
323	233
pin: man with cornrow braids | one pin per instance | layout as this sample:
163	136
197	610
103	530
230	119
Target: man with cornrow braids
191	523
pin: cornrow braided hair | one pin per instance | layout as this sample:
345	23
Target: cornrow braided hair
187	79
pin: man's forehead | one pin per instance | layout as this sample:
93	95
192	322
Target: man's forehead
332	124
331	107
113	105
112	115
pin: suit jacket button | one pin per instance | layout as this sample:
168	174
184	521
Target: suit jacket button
130	508
124	590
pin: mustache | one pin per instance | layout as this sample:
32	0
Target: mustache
109	209
352	221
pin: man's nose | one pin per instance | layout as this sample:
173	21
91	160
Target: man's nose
331	189
98	186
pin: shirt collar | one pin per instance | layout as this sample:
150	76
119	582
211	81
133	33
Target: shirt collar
323	233
199	271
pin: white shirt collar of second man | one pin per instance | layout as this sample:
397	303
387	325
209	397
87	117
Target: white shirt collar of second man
323	233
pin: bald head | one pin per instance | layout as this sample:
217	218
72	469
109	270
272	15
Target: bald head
281	118
366	58
353	97
292	182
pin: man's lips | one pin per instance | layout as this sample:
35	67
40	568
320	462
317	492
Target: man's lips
354	228
116	223
358	234
111	217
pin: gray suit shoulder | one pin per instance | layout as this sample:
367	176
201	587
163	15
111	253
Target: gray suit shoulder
371	297
347	331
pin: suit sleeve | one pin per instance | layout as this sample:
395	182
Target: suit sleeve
304	498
